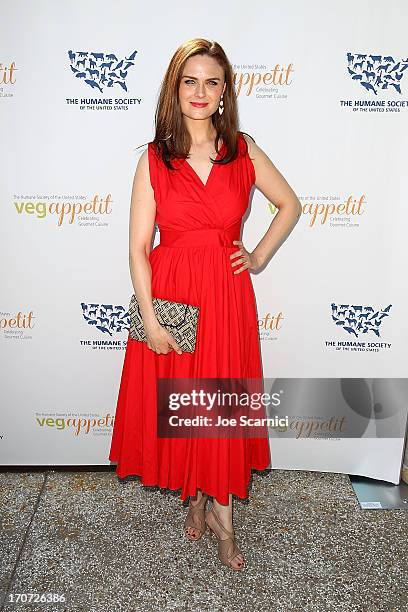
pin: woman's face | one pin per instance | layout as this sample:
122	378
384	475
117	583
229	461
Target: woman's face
202	82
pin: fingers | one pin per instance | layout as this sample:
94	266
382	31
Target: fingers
164	343
239	261
244	257
172	345
245	264
241	251
175	346
244	267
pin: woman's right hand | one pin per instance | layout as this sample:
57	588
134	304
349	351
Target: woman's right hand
160	340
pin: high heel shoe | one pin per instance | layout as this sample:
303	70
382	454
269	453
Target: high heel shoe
195	519
227	548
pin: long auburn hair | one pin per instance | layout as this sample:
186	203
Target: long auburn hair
172	138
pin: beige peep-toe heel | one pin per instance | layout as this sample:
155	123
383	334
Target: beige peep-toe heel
195	519
227	548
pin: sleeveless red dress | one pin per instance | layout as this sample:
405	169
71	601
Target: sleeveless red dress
191	264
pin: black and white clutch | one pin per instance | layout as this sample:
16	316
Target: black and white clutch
178	318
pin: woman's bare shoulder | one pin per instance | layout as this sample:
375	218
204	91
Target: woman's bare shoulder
253	149
142	172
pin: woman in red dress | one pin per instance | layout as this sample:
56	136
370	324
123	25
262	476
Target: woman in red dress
198	206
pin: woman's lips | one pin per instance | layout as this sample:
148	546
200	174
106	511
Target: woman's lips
199	104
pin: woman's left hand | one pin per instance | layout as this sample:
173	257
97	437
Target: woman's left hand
248	259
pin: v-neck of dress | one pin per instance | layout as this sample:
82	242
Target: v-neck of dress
204	185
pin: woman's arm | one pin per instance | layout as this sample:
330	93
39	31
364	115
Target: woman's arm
141	227
276	189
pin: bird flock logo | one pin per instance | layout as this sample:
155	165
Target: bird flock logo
375	72
107	318
100	70
356	320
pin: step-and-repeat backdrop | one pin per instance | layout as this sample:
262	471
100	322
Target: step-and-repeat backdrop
324	92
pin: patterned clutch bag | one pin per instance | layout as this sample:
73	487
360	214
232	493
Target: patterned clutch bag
179	319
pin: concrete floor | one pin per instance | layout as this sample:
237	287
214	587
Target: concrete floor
114	546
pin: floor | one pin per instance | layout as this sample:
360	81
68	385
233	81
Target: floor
114	546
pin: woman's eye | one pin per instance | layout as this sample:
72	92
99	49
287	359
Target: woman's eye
188	81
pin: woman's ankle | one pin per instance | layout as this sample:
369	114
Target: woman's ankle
224	515
198	498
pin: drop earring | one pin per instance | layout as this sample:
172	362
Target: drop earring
221	106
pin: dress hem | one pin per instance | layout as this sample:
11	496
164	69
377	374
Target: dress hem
184	496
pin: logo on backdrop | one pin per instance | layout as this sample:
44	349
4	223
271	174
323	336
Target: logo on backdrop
108	319
99	72
66	209
269	325
7	79
17	325
331	211
361	323
376	74
272	208
263	82
76	423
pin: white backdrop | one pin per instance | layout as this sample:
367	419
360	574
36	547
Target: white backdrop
322	89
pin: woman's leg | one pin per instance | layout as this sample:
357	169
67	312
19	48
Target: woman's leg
193	502
224	513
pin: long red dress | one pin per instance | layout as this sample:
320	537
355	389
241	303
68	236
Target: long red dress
191	264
